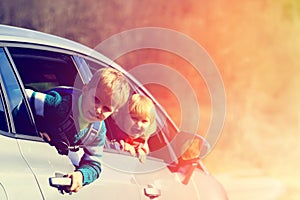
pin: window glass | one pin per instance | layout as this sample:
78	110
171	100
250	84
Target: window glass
41	70
23	125
3	122
93	65
84	69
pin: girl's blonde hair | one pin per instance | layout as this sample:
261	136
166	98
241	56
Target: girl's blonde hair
141	106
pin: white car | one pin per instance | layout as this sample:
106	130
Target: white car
31	59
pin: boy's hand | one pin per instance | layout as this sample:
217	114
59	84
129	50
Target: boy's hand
45	137
127	147
77	179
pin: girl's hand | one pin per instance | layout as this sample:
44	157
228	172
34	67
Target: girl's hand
127	147
142	155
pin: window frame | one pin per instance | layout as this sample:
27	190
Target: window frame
11	132
164	134
42	69
74	55
3	104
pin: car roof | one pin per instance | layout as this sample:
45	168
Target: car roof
17	34
23	35
14	34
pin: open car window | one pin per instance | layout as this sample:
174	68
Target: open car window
42	70
159	140
166	143
39	70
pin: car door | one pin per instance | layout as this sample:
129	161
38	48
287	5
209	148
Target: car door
42	70
16	178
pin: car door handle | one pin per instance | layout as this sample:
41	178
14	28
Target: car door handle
152	192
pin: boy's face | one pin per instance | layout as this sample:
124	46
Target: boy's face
96	105
136	125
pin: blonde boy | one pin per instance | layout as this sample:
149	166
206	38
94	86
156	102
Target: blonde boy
84	112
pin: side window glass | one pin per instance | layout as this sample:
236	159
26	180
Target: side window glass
42	70
23	125
94	66
83	68
3	122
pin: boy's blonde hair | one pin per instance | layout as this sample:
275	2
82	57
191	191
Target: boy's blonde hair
113	83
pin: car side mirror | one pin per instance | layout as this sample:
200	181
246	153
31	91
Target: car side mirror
191	148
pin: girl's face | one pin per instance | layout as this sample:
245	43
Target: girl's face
136	125
96	105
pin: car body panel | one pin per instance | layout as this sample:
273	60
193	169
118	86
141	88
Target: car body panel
46	162
16	178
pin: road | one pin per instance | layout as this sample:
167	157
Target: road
251	186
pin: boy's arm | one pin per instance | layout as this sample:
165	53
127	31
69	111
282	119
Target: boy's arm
89	169
90	164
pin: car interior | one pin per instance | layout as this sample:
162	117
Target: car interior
42	70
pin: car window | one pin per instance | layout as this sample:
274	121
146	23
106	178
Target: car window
42	70
83	68
15	96
159	140
3	122
94	66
